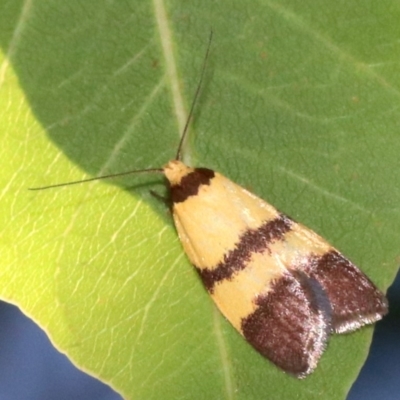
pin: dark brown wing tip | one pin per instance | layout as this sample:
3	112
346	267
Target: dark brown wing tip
291	324
355	300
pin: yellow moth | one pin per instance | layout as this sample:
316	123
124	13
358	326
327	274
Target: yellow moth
282	287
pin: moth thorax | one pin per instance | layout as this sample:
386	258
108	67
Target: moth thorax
175	170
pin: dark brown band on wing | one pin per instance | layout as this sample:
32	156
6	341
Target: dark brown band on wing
252	241
190	184
355	300
291	323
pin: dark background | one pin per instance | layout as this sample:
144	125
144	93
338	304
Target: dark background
32	369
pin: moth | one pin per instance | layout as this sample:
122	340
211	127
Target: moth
282	286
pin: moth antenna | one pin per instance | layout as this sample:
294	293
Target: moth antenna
97	178
178	153
195	98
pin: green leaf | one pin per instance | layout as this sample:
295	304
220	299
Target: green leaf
299	105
